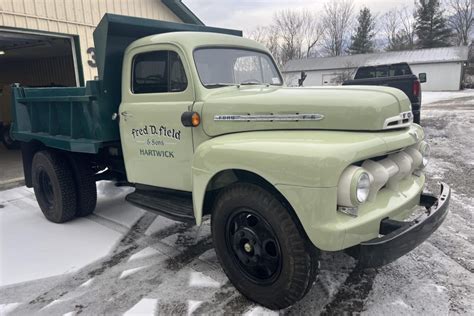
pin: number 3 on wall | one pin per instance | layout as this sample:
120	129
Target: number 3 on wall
91	62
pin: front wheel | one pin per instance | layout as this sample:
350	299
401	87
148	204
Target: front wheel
262	248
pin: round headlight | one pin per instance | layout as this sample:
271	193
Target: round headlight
425	151
363	187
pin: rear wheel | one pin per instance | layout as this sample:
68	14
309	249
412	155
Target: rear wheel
261	247
54	187
86	187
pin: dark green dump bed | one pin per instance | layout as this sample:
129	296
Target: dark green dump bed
71	119
80	119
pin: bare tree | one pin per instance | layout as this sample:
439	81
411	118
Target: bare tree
269	37
336	21
398	26
407	24
312	34
292	35
390	27
461	19
290	25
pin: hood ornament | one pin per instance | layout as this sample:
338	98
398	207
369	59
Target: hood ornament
268	117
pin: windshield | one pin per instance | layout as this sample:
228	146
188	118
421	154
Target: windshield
218	67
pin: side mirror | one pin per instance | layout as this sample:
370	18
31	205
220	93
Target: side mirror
422	77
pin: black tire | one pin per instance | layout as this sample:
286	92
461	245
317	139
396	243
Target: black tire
275	288
86	187
54	187
416	118
7	139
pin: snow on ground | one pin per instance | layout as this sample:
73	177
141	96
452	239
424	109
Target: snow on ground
436	96
55	249
32	248
122	260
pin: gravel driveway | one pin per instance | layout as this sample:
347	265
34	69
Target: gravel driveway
158	266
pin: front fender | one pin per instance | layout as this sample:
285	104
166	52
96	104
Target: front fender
304	159
299	158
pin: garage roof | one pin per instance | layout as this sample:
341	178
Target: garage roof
182	11
419	56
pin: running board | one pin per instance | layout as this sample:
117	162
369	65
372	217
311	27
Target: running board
176	206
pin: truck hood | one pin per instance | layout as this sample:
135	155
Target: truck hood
250	108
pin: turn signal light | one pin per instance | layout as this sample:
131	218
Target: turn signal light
195	119
190	119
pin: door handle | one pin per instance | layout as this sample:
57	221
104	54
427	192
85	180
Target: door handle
126	115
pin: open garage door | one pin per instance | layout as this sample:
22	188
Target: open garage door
36	60
33	60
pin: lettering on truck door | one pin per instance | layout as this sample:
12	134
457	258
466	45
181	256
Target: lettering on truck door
157	148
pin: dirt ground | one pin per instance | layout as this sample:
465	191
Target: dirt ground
164	267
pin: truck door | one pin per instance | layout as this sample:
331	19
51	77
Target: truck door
157	148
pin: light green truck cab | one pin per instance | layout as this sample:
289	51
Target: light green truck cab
207	127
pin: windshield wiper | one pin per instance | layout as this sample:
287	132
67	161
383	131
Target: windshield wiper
220	84
251	83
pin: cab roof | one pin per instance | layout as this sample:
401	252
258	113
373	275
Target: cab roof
189	41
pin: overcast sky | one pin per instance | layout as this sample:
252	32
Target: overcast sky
247	14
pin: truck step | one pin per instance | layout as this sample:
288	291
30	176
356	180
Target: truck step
174	205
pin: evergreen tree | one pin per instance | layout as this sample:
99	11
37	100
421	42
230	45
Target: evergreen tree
362	41
430	26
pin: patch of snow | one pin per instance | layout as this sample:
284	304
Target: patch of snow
111	204
53	303
158	224
87	283
435	96
193	305
147	252
399	303
146	306
129	272
440	288
5	309
34	248
260	311
199	279
14	194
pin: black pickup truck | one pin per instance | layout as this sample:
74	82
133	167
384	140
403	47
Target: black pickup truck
397	76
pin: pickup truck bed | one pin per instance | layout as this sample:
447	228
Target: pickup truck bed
408	83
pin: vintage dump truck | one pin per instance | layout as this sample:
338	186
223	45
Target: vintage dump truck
199	121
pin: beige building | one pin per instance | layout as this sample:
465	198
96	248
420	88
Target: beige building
50	43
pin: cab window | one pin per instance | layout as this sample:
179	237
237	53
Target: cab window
158	72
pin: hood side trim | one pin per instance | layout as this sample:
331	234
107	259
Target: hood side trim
268	117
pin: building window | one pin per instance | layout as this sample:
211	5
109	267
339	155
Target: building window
158	72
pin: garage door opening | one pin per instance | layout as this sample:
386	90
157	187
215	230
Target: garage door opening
32	60
36	60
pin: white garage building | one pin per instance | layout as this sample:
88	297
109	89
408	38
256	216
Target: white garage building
444	67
